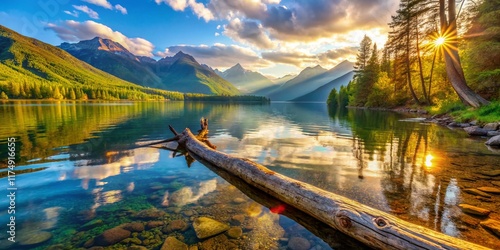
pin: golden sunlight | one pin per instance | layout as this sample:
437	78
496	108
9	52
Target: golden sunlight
428	161
439	41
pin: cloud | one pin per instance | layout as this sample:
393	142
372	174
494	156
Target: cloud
102	3
122	9
198	9
87	10
301	59
310	20
72	13
294	58
229	9
219	55
74	31
249	32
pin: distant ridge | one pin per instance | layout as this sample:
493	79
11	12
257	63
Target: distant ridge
309	80
321	94
245	80
178	73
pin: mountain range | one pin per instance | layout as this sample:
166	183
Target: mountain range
309	80
248	82
104	64
178	73
30	68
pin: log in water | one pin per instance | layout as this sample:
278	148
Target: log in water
370	226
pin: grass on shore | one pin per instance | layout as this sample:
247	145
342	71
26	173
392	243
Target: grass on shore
462	113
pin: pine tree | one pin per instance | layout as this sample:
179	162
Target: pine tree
3	96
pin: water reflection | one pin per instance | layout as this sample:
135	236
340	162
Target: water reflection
380	159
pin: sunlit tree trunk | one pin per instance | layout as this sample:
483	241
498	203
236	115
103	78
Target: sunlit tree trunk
421	71
408	64
452	59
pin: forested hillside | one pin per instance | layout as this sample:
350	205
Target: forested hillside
439	54
31	69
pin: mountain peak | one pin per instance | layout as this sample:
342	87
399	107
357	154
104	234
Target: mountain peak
237	67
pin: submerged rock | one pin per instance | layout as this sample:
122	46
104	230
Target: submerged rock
298	243
491	173
171	243
491	190
133	226
492	225
476	130
238	219
494	141
91	224
476	192
234	232
176	225
34	238
205	227
148	214
216	243
154	224
496	183
469	209
111	236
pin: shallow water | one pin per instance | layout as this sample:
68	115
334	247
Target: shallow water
94	172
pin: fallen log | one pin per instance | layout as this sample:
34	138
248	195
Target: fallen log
370	226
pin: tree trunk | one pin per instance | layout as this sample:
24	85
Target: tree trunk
452	58
408	64
370	226
422	81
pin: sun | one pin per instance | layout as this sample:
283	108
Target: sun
439	41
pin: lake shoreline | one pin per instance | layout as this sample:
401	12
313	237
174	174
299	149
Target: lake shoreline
489	130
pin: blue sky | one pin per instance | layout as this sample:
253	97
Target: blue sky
275	37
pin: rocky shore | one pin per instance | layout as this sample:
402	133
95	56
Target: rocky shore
491	131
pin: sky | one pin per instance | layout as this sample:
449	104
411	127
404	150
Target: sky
274	37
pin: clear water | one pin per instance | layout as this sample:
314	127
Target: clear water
87	167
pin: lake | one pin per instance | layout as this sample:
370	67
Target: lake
85	173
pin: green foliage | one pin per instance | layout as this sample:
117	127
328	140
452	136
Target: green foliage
367	73
447	106
484	114
3	96
333	98
482	54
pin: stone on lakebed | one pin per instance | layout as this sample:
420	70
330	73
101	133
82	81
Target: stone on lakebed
205	227
171	243
111	236
476	192
469	209
492	225
492	190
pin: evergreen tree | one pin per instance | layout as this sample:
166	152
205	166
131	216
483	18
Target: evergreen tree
3	96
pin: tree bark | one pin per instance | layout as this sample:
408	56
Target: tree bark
454	68
408	63
370	226
421	71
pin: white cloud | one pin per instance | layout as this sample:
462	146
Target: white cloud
219	55
122	9
72	13
75	31
217	34
199	9
179	5
87	10
102	3
249	32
